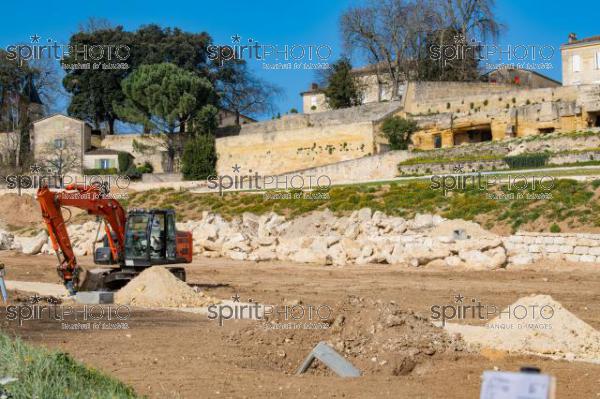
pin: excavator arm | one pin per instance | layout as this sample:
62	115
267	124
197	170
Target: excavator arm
92	199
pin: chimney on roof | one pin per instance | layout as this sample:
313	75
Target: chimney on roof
572	37
314	86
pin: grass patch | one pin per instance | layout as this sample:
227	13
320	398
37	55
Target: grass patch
570	200
458	159
47	374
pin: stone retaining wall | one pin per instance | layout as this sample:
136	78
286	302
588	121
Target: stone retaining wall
572	247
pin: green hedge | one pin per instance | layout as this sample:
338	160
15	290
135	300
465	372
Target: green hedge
99	171
527	160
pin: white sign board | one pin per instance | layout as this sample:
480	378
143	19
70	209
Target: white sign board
507	385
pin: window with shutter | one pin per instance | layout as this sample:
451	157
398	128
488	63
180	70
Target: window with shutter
576	63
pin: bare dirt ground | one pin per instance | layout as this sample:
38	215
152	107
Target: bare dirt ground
178	354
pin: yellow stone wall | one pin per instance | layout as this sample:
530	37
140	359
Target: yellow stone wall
292	150
124	142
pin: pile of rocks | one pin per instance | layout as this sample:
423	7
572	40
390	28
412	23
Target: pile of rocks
361	238
82	239
323	238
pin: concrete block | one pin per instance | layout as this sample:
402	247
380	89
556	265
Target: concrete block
594	251
571	241
566	249
581	250
587	258
94	297
534	249
572	258
552	249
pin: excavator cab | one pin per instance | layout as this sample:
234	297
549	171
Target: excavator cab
151	238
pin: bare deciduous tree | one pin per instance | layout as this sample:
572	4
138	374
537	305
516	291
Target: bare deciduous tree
394	34
61	156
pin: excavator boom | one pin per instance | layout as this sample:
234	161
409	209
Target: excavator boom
91	199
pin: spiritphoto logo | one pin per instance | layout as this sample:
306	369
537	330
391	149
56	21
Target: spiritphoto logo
252	180
524	56
514	316
273	56
516	187
48	177
96	56
276	317
88	317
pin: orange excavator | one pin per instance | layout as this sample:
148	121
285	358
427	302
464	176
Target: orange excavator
134	241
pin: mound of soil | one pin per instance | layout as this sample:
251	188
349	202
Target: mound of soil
538	325
376	337
158	287
19	211
383	337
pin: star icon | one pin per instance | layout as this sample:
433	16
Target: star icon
235	38
459	169
458	298
35	38
35	168
236	297
460	38
236	168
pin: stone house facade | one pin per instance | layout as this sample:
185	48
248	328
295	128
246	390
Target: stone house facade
581	61
61	137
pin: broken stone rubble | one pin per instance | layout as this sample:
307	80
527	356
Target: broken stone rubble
361	238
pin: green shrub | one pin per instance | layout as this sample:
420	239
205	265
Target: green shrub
125	161
199	158
555	228
527	160
398	131
99	171
133	173
146	167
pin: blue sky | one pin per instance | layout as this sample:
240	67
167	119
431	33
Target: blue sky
306	22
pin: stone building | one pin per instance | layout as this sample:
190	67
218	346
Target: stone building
581	61
72	143
373	81
61	139
519	77
376	85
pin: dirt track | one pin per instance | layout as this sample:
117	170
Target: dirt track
166	353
